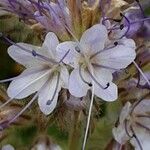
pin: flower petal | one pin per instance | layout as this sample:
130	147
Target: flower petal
128	42
64	75
25	58
118	57
125	112
46	95
93	39
72	57
120	135
109	94
76	86
50	44
28	83
143	137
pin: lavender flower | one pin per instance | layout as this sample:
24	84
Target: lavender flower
134	125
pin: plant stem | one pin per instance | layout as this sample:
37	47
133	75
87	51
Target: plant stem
75	132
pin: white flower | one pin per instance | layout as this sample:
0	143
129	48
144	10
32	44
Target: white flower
94	58
134	125
44	73
8	147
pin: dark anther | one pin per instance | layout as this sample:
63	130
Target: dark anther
34	53
77	49
115	43
90	84
137	1
117	20
49	102
108	84
121	14
121	26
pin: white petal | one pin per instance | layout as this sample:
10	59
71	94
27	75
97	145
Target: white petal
125	112
118	57
50	44
93	39
127	42
143	107
109	94
72	57
64	75
120	134
26	85
25	58
8	147
103	77
102	74
144	138
76	86
46	94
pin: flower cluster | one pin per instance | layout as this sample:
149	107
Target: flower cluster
91	63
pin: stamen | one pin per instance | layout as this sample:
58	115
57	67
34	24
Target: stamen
139	4
24	109
68	29
77	49
80	74
121	26
126	129
89	117
33	52
128	26
141	72
55	91
95	80
141	20
136	138
135	105
64	56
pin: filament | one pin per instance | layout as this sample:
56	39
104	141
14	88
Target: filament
81	76
136	138
55	91
128	26
126	129
89	117
64	56
24	109
95	80
141	72
33	52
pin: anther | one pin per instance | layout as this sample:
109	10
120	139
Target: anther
117	20
108	84
121	14
34	53
121	26
90	84
49	102
115	43
77	49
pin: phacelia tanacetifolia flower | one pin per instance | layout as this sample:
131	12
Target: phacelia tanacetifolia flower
94	58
